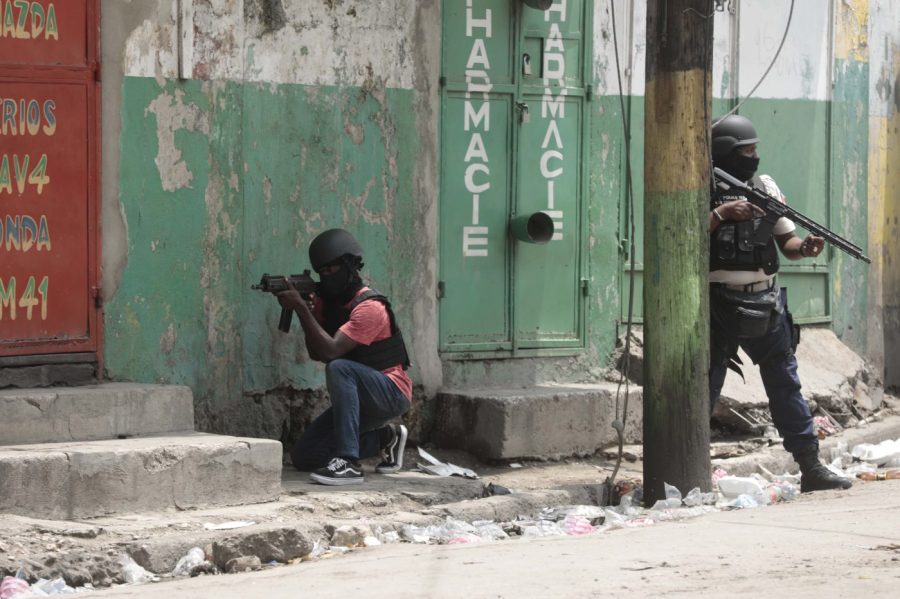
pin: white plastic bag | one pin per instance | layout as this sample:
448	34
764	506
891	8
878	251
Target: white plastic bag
194	558
132	572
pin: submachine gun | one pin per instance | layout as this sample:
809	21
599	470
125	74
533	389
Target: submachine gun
274	284
775	209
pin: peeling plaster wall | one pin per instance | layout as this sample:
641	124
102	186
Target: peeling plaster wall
228	144
884	187
849	173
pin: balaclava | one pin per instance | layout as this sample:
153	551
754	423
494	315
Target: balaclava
342	285
738	165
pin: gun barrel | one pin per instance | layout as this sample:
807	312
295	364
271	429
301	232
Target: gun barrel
770	205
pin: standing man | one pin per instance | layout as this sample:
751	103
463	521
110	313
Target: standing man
352	329
747	308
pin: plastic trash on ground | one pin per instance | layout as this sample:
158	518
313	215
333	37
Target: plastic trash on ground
541	528
133	573
55	586
885	454
194	558
742	501
733	487
574	524
391	536
672	500
626	505
594	514
488	529
782	490
319	549
718	473
10	585
414	534
439	468
697	498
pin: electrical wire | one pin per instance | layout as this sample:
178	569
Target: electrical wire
619	423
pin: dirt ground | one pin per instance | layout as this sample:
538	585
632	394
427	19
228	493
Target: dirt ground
827	544
90	551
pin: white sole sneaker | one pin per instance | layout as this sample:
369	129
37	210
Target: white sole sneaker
395	450
330	480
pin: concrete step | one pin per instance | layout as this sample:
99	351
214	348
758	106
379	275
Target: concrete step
89	479
105	411
545	421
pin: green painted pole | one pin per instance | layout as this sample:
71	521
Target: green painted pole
676	247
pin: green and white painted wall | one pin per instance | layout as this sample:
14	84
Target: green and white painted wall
235	130
883	44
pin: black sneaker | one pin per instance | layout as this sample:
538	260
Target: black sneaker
338	472
392	454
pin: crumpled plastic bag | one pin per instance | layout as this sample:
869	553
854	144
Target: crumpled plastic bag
10	585
194	558
732	487
577	525
594	514
454	531
886	453
133	573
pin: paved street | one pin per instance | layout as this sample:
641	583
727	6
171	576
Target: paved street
827	544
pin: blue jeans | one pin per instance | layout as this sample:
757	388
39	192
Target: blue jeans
363	400
778	369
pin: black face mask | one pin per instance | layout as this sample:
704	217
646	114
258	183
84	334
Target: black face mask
339	286
738	165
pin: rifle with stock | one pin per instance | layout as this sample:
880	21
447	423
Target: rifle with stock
775	209
275	284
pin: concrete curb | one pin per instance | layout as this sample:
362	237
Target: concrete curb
282	536
777	460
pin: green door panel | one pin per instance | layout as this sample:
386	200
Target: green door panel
475	192
512	138
547	296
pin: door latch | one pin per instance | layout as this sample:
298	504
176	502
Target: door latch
524	116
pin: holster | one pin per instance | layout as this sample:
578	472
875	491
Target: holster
746	314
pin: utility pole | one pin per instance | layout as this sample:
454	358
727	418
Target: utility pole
676	246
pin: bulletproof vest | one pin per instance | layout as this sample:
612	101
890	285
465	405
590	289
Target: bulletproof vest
732	245
379	355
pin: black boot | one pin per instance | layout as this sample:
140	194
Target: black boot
814	475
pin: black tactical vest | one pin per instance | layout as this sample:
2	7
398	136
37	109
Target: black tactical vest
732	245
379	355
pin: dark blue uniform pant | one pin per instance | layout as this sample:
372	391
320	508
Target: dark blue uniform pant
778	369
362	401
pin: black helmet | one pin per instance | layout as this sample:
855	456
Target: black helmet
331	245
732	132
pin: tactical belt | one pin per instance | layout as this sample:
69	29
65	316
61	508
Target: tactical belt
750	287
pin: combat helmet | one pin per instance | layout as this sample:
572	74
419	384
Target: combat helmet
732	132
330	245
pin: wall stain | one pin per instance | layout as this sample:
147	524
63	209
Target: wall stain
269	14
172	115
